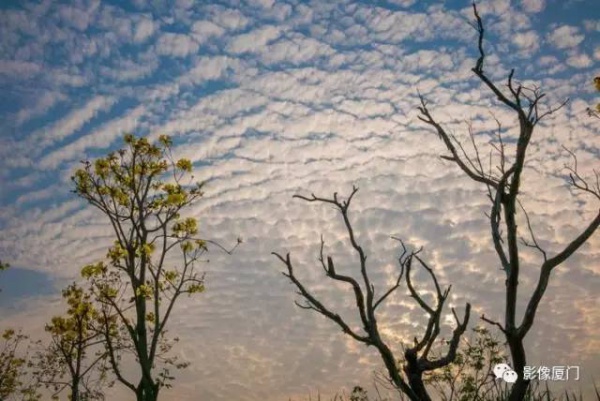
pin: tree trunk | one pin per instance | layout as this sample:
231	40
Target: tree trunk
517	352
75	389
147	391
415	380
415	376
392	368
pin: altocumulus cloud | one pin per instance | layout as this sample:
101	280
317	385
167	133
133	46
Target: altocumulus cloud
274	98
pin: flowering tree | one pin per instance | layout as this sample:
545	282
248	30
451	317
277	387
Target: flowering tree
142	191
65	363
13	364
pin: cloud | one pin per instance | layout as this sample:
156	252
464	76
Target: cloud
204	30
263	3
19	69
132	69
76	17
579	60
75	120
100	138
533	6
209	68
591	25
41	194
144	29
176	44
116	22
527	41
295	49
43	103
403	3
565	37
253	41
497	7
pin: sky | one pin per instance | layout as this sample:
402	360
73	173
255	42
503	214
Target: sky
271	98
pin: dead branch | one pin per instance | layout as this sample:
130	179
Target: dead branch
503	192
417	357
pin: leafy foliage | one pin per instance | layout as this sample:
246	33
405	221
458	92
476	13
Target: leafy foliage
470	378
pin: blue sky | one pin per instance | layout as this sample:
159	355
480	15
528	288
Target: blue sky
274	97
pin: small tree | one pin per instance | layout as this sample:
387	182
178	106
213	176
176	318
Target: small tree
142	190
13	365
503	184
64	363
470	377
418	359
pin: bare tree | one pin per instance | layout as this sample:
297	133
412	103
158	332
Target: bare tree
418	359
503	183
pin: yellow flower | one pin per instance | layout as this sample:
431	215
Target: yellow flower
187	246
93	270
188	226
8	333
171	275
129	138
144	291
165	140
101	167
184	164
147	249
195	288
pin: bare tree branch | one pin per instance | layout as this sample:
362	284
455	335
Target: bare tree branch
416	358
577	181
493	323
534	243
314	303
503	192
